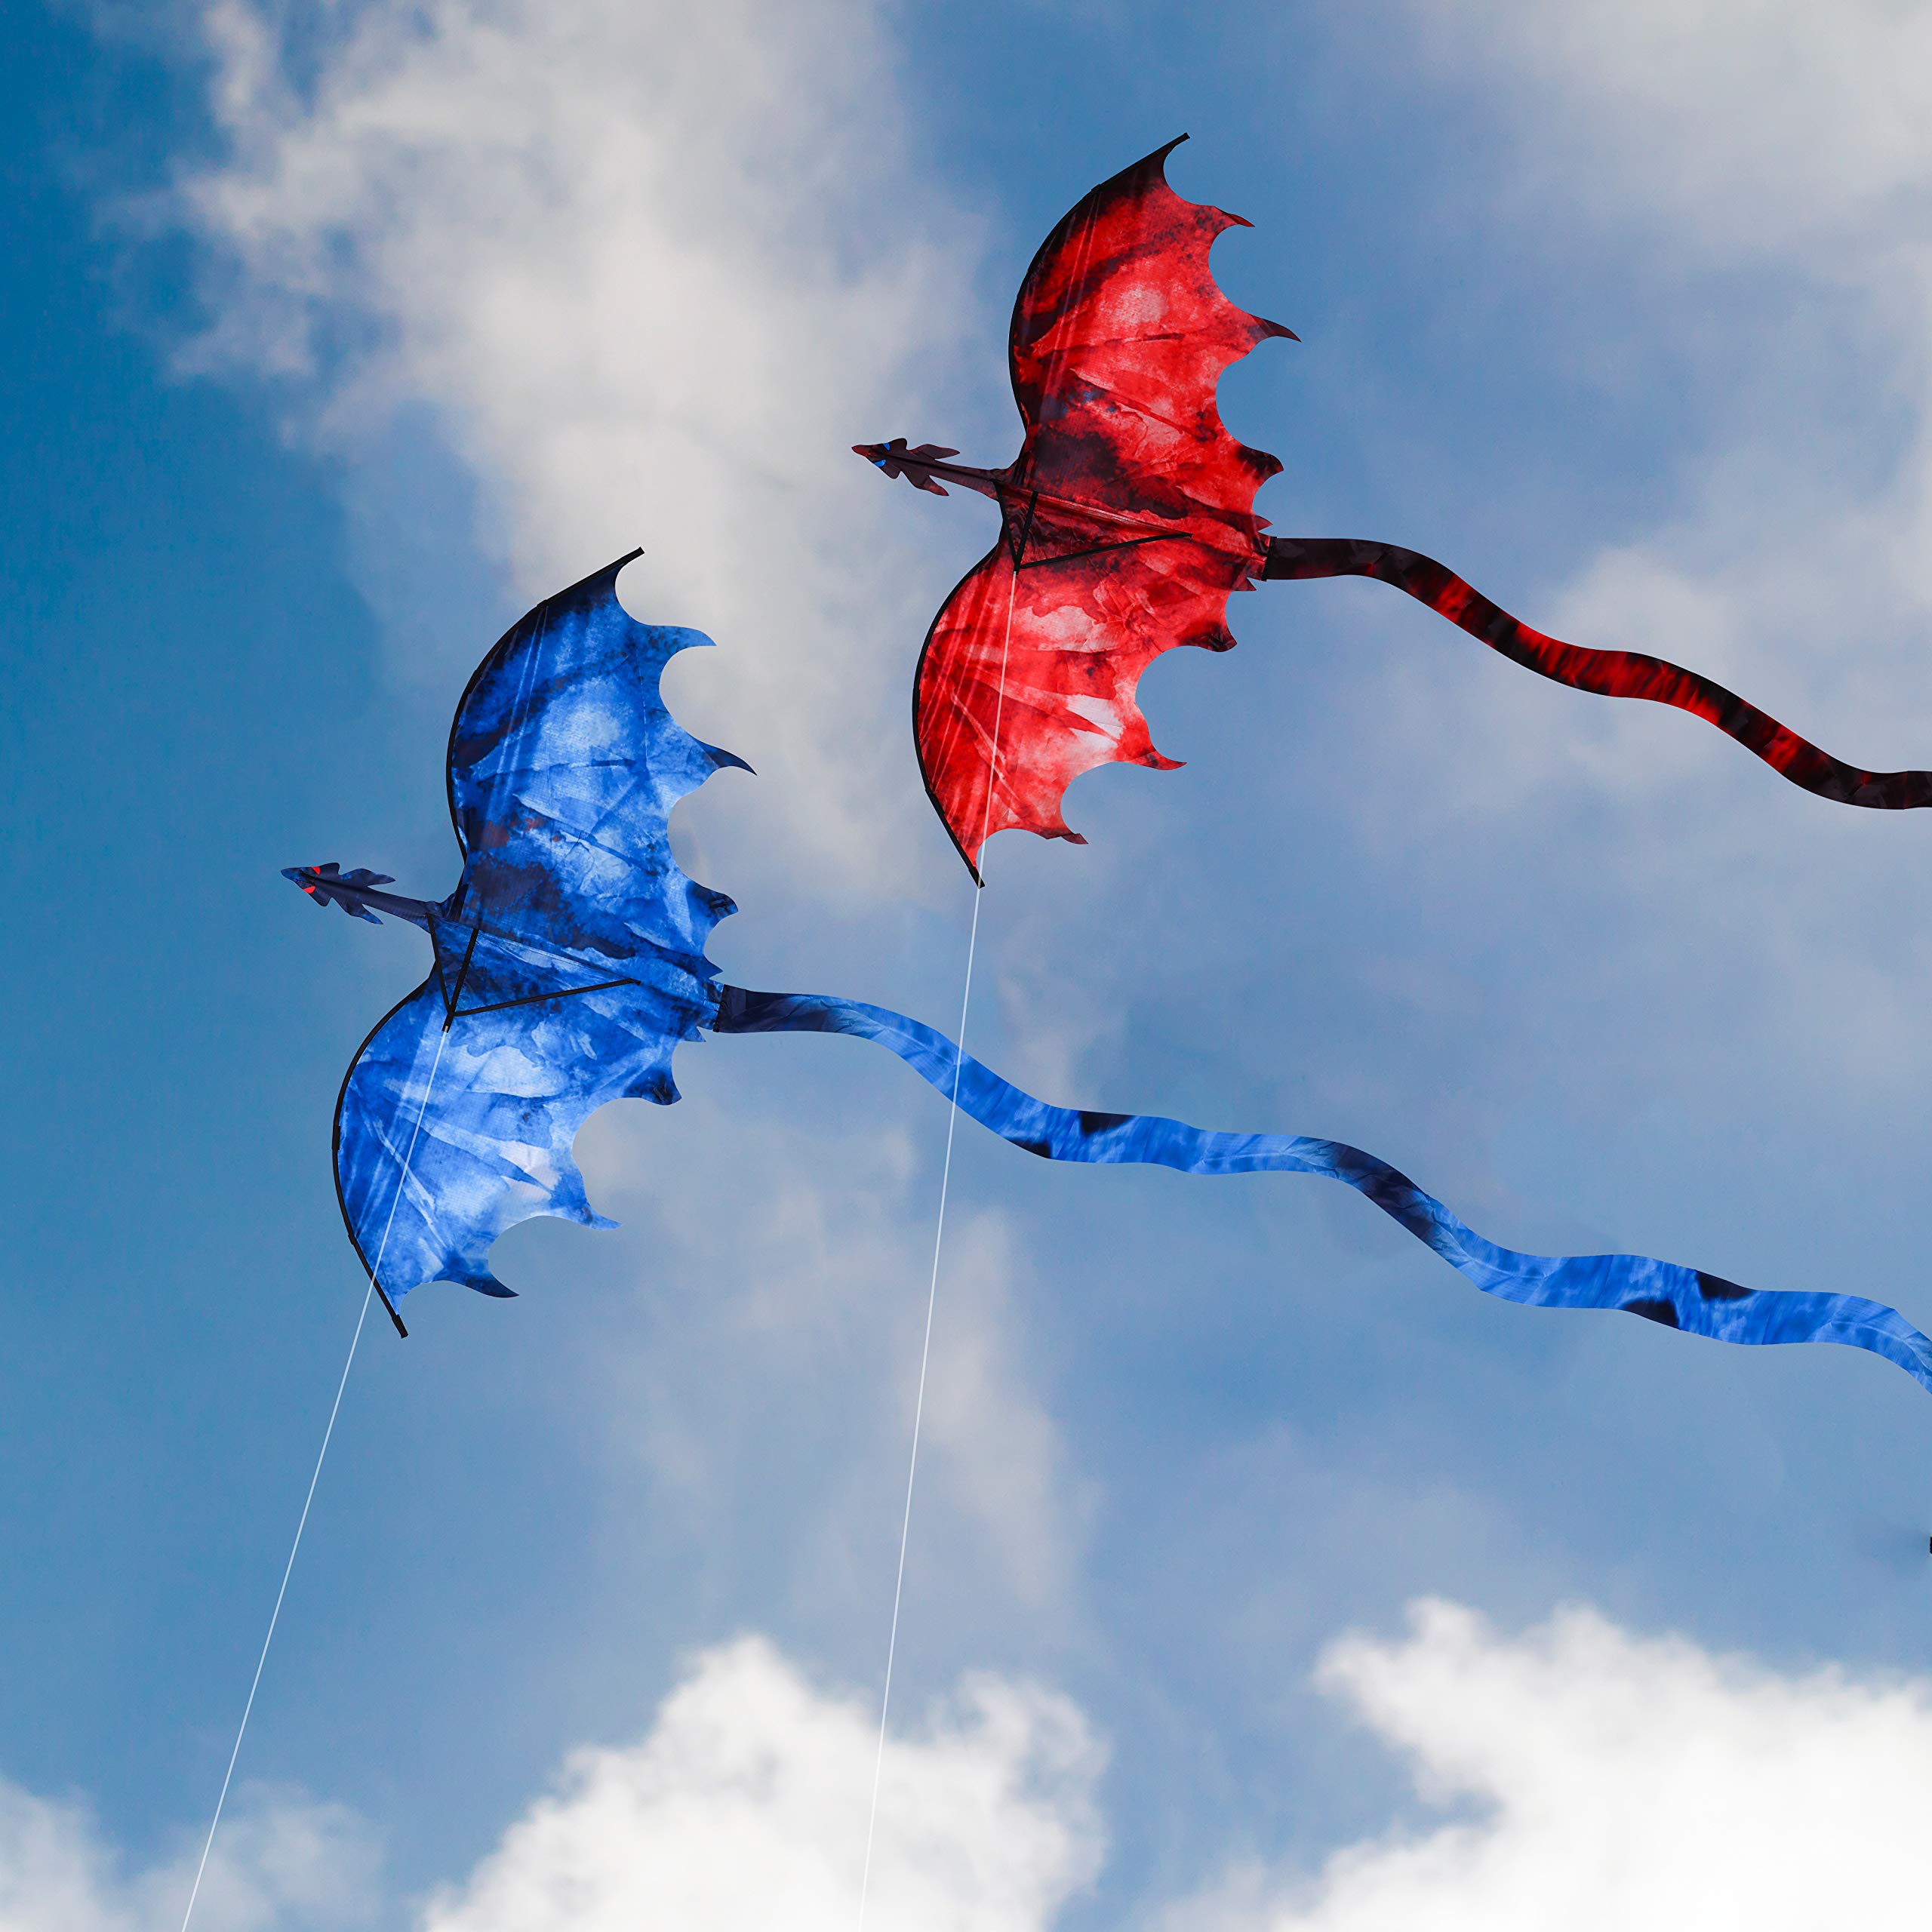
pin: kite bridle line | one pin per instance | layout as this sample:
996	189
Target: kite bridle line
932	1288
302	1523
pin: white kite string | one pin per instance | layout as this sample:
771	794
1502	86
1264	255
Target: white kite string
335	1408
932	1289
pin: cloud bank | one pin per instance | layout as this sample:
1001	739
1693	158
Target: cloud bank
642	273
1592	1777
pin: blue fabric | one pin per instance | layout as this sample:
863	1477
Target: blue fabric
563	766
1679	1297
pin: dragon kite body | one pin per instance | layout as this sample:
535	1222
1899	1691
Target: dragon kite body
568	964
1127	520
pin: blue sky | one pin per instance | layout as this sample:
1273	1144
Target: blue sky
335	342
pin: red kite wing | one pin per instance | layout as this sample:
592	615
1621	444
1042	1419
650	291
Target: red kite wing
1129	514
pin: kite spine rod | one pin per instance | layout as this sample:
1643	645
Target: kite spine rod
1607	673
1014	494
1662	1291
430	914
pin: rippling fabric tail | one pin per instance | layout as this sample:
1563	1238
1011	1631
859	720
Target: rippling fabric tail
1679	1297
1607	673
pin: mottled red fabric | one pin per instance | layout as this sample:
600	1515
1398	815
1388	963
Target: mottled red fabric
1608	673
1128	517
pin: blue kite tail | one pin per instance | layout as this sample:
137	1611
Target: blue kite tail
1678	1297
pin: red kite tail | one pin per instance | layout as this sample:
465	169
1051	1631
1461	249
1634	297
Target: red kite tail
1608	673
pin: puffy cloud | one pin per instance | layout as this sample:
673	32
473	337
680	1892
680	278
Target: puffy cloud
749	1800
1588	1774
750	1795
1616	1781
644	272
282	1864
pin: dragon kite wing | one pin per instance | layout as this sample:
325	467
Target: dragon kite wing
1128	516
569	960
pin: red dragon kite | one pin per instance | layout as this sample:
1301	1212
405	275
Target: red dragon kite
1127	520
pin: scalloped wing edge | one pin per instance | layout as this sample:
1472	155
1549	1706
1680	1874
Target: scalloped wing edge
1258	329
521	1195
601	586
1133	744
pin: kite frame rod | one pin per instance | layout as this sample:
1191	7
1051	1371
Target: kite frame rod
1092	550
1007	491
530	999
384	1293
452	995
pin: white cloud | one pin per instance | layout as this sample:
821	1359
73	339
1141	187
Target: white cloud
280	1865
646	270
747	1804
747	1800
1588	1776
1615	1781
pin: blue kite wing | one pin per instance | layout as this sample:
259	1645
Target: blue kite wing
564	765
569	961
482	1119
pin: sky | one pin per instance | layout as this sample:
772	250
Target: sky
1262	1577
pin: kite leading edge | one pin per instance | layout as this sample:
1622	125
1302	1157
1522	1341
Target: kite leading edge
1127	520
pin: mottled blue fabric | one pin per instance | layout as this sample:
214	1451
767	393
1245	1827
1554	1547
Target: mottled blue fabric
1679	1297
563	766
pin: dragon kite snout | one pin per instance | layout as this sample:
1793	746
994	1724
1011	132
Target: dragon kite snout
914	465
330	885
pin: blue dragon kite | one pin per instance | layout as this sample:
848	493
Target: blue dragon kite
570	961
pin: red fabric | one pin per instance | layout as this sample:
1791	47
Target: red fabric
1131	509
1608	673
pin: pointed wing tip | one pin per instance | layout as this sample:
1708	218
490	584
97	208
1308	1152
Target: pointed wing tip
1157	162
